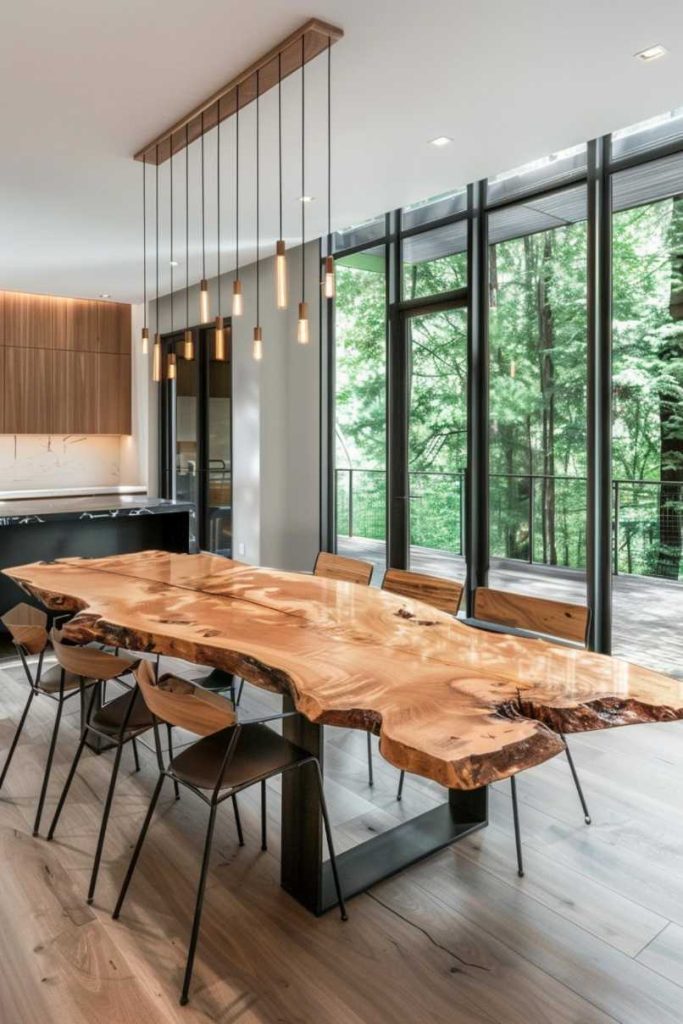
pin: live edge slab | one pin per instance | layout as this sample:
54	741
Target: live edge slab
458	705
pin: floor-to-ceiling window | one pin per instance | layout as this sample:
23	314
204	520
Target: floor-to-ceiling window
360	404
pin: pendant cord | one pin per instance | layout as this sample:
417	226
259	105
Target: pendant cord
258	191
156	200
187	228
171	260
237	187
329	135
279	129
144	239
218	201
303	173
203	218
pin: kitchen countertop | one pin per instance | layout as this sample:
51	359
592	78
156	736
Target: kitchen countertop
18	512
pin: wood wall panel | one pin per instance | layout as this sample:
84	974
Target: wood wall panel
2	389
68	365
28	390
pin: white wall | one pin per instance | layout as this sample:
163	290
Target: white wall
40	465
276	412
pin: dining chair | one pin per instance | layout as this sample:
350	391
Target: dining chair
437	591
27	626
230	757
116	722
348	570
559	620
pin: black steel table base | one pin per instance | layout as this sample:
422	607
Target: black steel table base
304	873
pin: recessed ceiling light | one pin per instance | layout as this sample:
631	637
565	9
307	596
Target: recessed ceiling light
440	140
306	199
652	53
173	263
105	295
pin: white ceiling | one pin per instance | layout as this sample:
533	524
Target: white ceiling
85	83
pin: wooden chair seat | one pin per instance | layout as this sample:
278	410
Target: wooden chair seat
260	752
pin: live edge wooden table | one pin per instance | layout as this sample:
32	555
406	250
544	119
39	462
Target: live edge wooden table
458	705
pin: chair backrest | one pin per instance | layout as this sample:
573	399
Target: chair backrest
182	703
27	626
88	662
338	567
435	590
538	615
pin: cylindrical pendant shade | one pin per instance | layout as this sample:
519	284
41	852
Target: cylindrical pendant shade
329	282
156	359
188	346
171	366
204	301
257	348
219	347
302	335
237	300
145	340
281	288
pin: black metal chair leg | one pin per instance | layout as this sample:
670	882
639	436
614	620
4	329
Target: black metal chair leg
371	778
169	733
518	835
15	740
575	776
330	843
239	693
104	823
138	846
198	906
264	841
135	755
67	784
238	822
48	768
401	780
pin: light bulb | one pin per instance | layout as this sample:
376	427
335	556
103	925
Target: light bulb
257	348
280	275
145	340
204	301
329	283
171	366
219	353
302	335
188	346
237	300
156	361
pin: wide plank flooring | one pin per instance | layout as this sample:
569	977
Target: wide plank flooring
593	934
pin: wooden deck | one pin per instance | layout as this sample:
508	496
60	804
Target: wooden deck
647	612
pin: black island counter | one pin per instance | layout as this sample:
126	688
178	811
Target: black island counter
38	529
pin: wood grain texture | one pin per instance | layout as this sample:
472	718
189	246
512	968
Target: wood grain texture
28	392
536	614
74	389
487	703
182	703
438	591
88	662
337	567
113	394
34	321
26	625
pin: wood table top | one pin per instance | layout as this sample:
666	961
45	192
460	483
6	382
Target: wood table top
458	705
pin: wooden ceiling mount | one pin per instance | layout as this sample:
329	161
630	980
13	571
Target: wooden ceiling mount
286	55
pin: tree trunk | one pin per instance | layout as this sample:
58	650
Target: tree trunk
671	413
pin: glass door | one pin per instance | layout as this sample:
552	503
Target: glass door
437	440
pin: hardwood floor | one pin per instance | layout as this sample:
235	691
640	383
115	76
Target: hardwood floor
592	934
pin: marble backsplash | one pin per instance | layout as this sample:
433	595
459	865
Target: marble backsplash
31	462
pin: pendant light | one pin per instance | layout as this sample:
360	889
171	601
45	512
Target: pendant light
219	352
280	257
237	299
257	350
145	329
156	360
204	284
302	332
188	341
171	361
329	284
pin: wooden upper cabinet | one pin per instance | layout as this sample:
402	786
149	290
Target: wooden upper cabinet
34	321
114	327
28	391
74	382
113	394
82	326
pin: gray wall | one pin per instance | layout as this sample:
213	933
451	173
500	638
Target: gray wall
276	416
